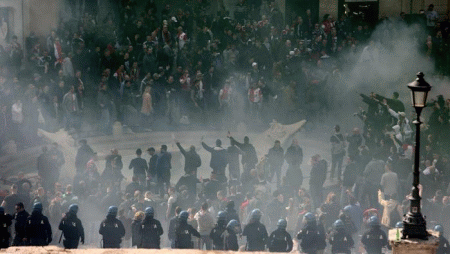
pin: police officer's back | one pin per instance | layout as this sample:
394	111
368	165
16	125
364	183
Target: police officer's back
341	241
374	239
38	230
230	238
309	235
184	232
255	232
5	222
20	218
217	233
72	228
112	229
280	240
444	246
150	231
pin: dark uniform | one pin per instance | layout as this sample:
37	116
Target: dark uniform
256	233
280	241
19	228
150	232
72	228
374	239
217	233
341	241
310	235
112	230
229	236
444	246
184	232
37	229
5	222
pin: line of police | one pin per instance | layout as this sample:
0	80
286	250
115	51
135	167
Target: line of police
35	230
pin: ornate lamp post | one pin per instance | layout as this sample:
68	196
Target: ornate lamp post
414	225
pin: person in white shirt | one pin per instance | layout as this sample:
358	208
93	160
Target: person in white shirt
389	183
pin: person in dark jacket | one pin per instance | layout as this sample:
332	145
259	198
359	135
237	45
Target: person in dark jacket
234	168
255	232
151	231
136	229
374	239
140	167
219	159
190	181
276	209
317	178
217	233
72	228
152	162
173	224
163	166
280	240
294	158
184	233
275	159
309	235
444	246
5	223
231	212
84	154
112	230
230	238
249	158
191	159
38	231
20	218
341	241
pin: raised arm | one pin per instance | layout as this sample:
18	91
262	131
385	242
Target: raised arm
181	148
207	148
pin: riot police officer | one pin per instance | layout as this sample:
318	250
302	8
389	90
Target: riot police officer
5	222
112	230
184	232
217	232
20	218
310	236
341	241
255	232
280	240
444	246
230	238
72	228
374	239
37	229
150	231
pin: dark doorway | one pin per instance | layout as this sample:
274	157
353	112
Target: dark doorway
296	8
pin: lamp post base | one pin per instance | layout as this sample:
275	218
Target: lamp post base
414	227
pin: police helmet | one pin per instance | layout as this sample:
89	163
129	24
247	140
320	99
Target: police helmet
112	210
399	224
282	224
37	207
184	215
439	229
256	214
310	217
149	211
339	224
73	208
221	216
374	221
232	224
347	210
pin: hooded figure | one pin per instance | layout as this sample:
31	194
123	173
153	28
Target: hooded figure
112	230
38	230
72	228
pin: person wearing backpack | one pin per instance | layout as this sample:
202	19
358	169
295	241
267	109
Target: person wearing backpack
150	231
255	232
217	233
229	236
337	153
280	240
37	228
184	233
72	228
309	235
341	241
112	230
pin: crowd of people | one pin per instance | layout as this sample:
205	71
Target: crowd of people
144	66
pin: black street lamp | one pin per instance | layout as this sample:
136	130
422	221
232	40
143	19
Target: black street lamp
414	225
